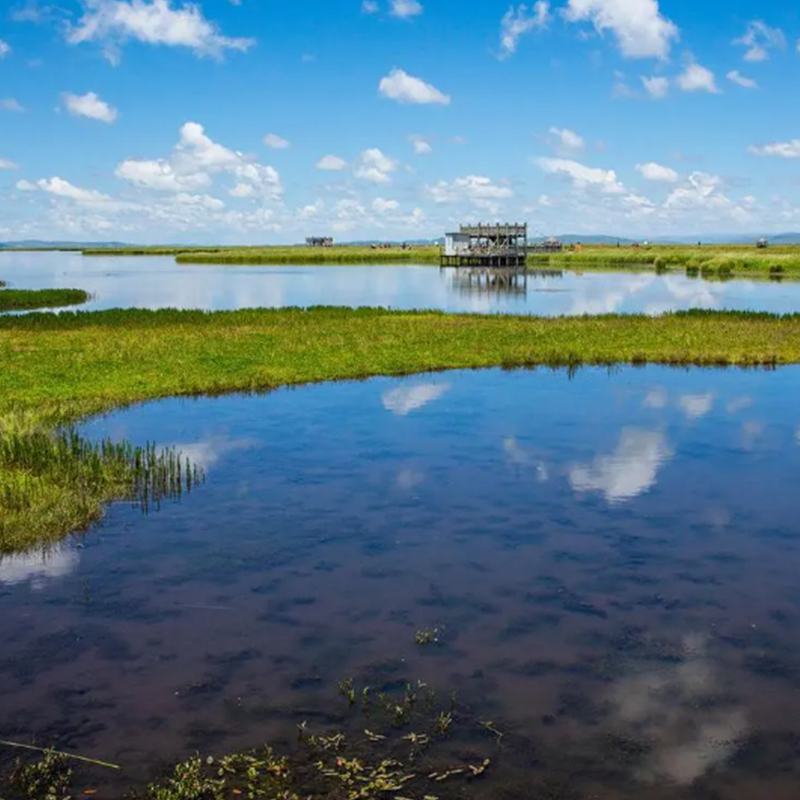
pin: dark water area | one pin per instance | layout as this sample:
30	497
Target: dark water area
610	560
155	282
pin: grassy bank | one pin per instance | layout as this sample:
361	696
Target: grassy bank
279	255
720	261
58	368
27	299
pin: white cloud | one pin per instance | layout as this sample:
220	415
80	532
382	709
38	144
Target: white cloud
402	400
405	9
583	177
517	22
655	172
638	25
26	186
6	164
701	191
194	162
275	142
115	22
381	206
476	188
10	104
61	188
779	149
696	406
740	80
89	105
567	139
759	39
372	165
5	48
629	471
422	145
242	190
199	200
369	7
697	78
399	85
656	87
38	568
332	164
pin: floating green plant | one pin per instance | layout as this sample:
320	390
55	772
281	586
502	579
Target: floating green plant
426	636
28	299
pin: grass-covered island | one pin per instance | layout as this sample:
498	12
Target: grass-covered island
59	368
710	260
31	299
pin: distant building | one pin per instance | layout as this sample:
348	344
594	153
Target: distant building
762	243
319	241
548	245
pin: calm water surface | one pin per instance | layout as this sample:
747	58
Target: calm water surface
611	560
160	282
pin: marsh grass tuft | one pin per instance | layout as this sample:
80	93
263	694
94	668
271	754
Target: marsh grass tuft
29	299
54	482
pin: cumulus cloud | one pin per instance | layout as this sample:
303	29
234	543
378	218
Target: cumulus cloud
567	139
275	142
476	188
404	88
112	23
193	163
629	471
676	708
639	27
10	104
372	165
405	9
38	568
331	163
62	188
656	87
740	80
759	39
521	20
6	164
655	172
89	105
381	206
581	176
778	149
697	78
5	48
402	400
696	406
421	144
369	7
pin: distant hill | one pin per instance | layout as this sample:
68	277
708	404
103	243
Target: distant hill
37	243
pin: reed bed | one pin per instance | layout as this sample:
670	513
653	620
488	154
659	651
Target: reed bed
313	255
54	482
28	299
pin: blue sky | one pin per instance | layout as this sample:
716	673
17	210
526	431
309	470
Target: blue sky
260	121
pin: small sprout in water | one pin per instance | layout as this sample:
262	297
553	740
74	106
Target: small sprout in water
417	739
373	737
348	690
490	726
480	769
443	723
426	636
443	776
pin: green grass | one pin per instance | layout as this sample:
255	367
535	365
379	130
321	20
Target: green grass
59	368
713	261
279	255
27	299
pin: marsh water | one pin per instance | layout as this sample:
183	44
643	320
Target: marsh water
154	282
610	560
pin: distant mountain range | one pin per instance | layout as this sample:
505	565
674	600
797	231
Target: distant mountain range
567	238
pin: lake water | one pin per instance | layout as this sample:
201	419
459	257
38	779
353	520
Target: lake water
146	282
610	558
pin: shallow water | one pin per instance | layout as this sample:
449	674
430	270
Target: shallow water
146	282
611	559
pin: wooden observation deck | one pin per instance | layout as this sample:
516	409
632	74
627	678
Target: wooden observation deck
492	246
